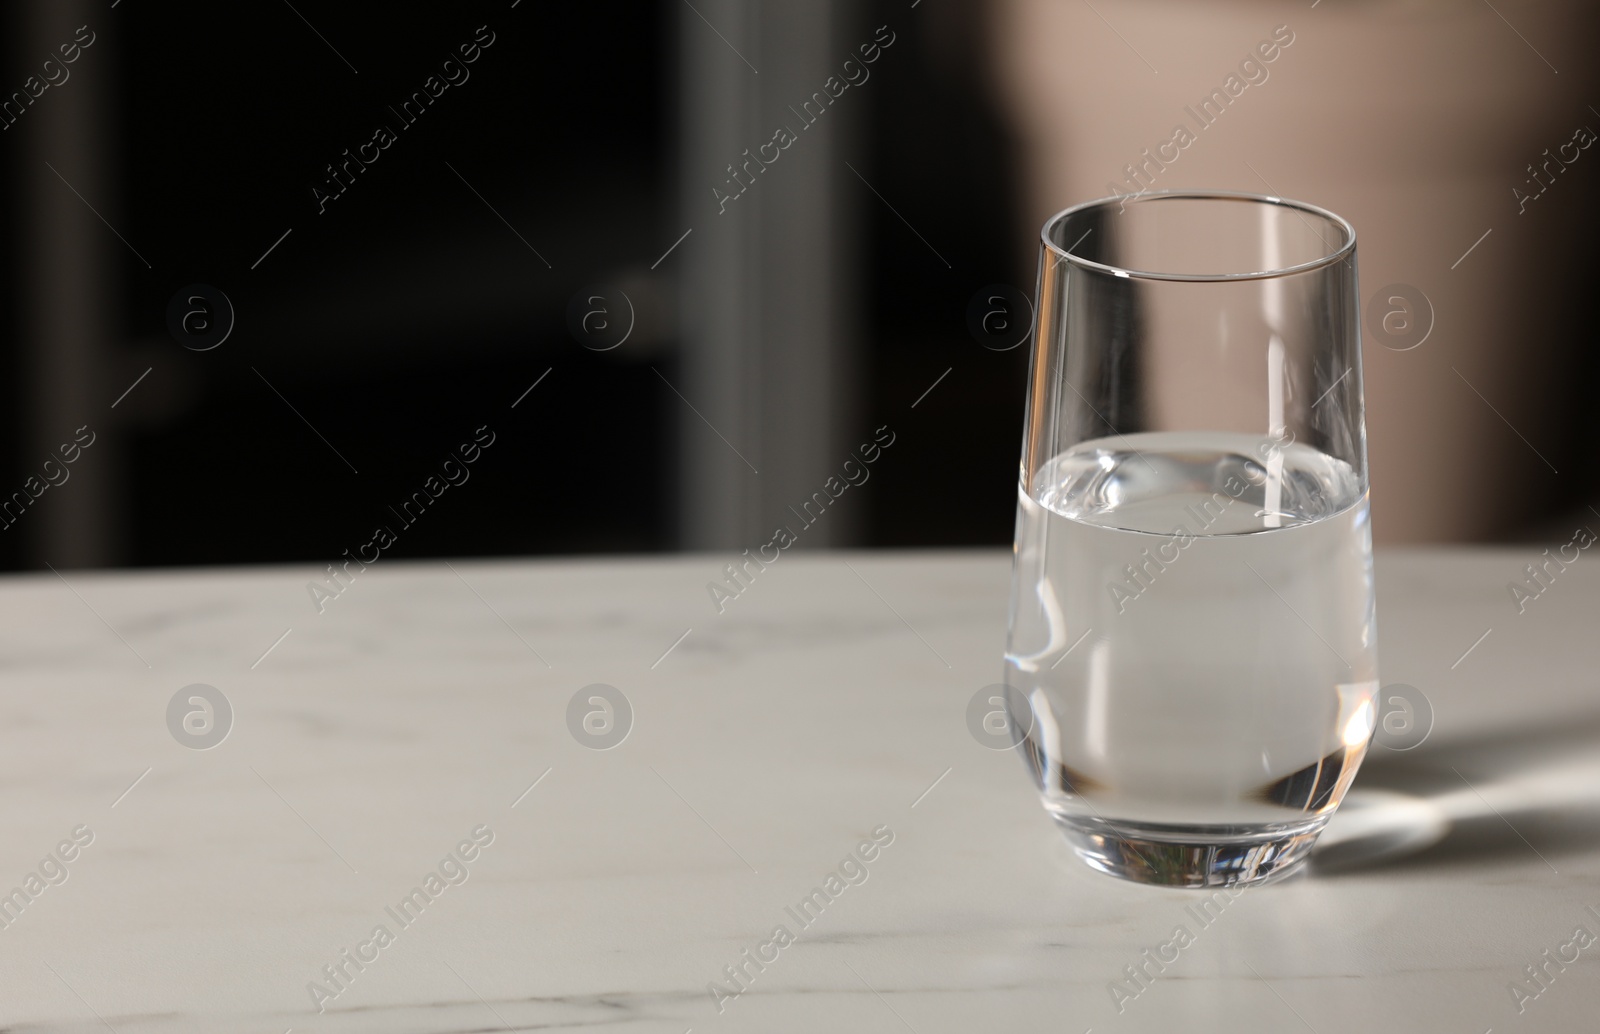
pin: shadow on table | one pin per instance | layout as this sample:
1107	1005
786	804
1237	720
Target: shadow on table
1515	793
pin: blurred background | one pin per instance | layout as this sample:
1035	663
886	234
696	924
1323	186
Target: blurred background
681	260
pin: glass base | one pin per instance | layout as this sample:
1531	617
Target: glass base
1192	856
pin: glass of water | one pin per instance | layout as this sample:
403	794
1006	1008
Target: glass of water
1191	665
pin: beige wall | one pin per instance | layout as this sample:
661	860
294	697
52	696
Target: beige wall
1414	121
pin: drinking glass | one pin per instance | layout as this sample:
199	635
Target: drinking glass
1191	665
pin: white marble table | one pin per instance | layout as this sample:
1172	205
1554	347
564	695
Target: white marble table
827	702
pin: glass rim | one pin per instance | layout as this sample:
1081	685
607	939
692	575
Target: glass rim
1338	254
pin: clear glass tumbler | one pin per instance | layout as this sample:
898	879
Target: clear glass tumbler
1191	661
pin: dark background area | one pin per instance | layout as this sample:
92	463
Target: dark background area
397	318
407	313
437	288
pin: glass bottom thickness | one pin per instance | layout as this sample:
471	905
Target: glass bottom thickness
1192	856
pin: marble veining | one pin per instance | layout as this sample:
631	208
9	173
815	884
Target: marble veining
766	743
